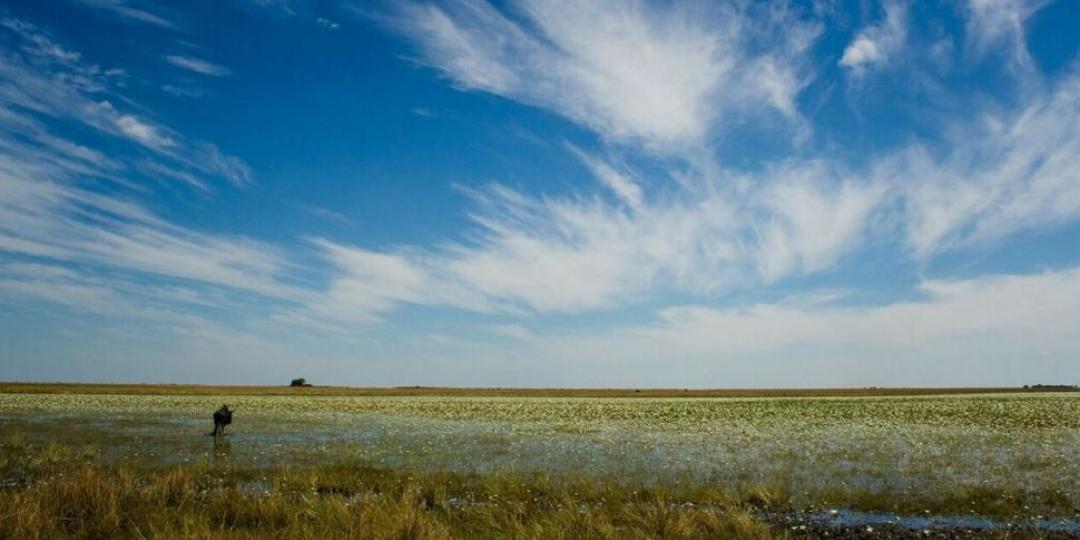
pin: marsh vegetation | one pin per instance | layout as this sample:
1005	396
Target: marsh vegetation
429	466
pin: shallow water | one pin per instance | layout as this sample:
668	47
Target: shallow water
850	519
816	450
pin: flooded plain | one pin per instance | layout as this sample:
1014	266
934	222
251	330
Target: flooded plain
987	459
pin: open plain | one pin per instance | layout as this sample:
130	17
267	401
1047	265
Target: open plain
466	464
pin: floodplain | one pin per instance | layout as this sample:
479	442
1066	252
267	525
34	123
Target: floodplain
310	463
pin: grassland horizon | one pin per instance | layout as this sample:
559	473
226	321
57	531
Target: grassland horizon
166	388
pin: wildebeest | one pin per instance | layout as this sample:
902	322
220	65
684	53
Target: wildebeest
222	418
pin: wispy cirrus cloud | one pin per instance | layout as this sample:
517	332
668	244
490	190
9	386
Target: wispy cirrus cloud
1001	23
52	207
198	65
133	11
699	232
43	214
1001	175
578	254
717	227
618	181
370	283
64	88
628	70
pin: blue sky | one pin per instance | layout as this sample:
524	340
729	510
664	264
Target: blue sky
527	193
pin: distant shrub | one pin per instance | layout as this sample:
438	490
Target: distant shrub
299	382
1051	387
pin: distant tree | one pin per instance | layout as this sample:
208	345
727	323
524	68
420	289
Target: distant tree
299	382
1052	387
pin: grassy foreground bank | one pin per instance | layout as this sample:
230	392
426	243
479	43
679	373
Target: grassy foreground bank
59	492
54	491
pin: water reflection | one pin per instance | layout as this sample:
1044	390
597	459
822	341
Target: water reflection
222	448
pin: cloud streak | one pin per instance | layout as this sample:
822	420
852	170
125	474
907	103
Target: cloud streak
198	65
630	71
53	207
129	11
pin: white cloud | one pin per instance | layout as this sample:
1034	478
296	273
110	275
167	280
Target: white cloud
722	230
991	330
198	65
576	254
54	283
862	51
367	284
42	215
38	44
998	177
106	294
372	282
329	215
143	132
709	231
628	70
620	184
995	23
809	225
64	89
553	255
126	10
52	204
875	45
155	169
209	159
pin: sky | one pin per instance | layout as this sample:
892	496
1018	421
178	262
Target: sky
572	193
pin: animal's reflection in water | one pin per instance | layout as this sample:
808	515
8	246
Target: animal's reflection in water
222	448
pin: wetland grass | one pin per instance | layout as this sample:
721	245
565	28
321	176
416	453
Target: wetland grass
66	493
54	491
317	466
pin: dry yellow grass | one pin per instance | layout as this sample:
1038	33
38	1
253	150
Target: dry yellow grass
66	495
